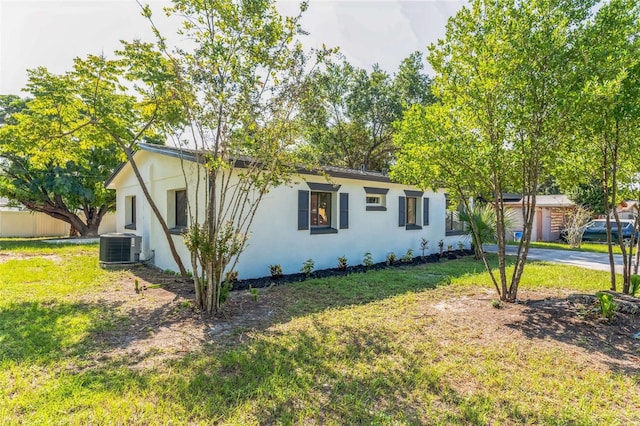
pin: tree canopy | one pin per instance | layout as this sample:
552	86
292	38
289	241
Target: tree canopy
238	87
503	78
348	114
50	172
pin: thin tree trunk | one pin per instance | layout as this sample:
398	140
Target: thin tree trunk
156	211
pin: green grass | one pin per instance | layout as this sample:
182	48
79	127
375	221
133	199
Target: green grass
364	349
588	247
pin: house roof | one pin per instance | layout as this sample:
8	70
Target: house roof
193	155
556	200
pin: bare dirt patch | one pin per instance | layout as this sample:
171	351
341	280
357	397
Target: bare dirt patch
160	323
6	256
553	319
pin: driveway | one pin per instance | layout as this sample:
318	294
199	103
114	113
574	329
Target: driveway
599	261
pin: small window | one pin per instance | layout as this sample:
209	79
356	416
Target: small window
130	212
375	198
181	209
177	213
453	226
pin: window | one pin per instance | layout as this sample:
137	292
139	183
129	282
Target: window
410	210
130	212
320	209
453	226
373	200
177	217
181	209
376	198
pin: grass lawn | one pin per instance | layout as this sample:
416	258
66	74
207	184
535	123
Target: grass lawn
413	345
591	247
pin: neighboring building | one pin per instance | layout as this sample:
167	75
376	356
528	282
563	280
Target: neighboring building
627	209
311	218
17	221
549	219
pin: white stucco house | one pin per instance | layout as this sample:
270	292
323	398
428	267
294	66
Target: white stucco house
348	213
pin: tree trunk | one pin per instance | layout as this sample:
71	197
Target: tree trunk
58	210
156	211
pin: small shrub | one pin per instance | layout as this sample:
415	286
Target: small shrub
607	305
307	267
342	263
635	284
441	247
391	258
575	225
231	277
408	256
497	304
450	247
367	260
136	285
254	293
225	288
424	245
276	270
460	245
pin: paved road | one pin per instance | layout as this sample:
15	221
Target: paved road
599	261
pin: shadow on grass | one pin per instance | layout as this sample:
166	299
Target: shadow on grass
281	303
50	331
561	320
317	375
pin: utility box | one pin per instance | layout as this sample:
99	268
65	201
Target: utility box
120	248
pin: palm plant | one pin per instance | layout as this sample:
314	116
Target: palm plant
484	218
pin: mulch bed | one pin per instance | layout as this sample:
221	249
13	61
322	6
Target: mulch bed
264	282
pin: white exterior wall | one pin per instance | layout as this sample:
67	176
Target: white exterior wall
275	238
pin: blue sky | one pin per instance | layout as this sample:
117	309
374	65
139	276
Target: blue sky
51	33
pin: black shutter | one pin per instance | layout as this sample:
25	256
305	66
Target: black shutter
402	215
344	211
303	210
425	212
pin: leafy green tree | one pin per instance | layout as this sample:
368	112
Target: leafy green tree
501	79
9	105
57	179
348	113
238	86
90	108
412	85
589	195
607	112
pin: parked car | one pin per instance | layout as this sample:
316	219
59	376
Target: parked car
596	231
